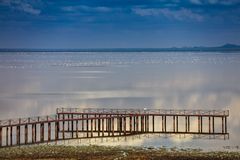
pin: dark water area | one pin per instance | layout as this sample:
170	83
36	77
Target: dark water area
36	83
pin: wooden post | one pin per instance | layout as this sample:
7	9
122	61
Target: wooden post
134	123
173	123
76	128
225	124
162	124
209	124
0	136
49	131
95	122
188	123
117	125
120	124
145	123
11	136
130	122
33	133
42	132
109	125
125	125
201	123
142	123
106	124
177	123
102	127
213	129
165	123
82	123
186	128
153	125
68	122
222	125
7	136
26	134
18	135
63	127
56	130
112	126
198	124
72	126
137	125
99	125
91	127
87	125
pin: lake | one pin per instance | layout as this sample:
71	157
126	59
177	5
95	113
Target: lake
36	83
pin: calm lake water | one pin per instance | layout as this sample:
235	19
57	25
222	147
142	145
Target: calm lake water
37	83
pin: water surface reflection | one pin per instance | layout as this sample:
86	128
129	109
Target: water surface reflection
38	83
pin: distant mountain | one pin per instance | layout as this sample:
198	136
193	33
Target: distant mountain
229	46
224	48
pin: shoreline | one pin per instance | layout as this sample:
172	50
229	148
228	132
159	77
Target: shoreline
108	152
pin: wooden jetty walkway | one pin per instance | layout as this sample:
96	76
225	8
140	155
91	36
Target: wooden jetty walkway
76	123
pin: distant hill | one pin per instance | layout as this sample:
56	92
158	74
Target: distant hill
230	46
224	48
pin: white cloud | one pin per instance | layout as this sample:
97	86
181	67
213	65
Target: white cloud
213	2
182	14
196	1
21	6
86	8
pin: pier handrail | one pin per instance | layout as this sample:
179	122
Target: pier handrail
143	111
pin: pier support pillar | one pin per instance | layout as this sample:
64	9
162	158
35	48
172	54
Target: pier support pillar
225	124
162	123
198	124
188	123
213	128
99	125
0	136
63	127
137	124
177	123
18	135
6	136
174	124
201	122
102	127
209	124
82	123
33	133
76	128
26	134
72	124
91	127
42	132
222	124
153	125
11	136
49	131
87	124
165	123
56	130
112	126
142	123
125	125
68	123
95	122
130	124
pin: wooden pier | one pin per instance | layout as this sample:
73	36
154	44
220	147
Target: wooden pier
75	123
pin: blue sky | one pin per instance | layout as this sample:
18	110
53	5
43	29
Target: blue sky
118	23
